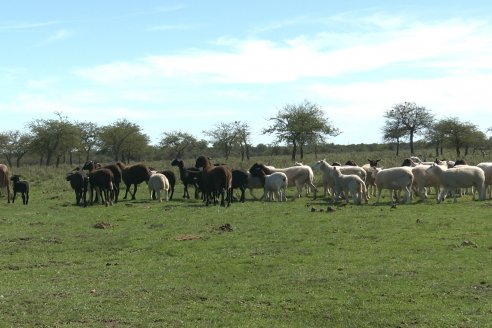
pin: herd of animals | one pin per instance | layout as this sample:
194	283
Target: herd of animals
94	183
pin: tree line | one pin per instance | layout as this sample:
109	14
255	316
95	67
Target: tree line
296	128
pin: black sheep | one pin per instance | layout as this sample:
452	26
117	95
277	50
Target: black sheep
133	175
102	180
171	177
240	180
22	187
79	183
189	176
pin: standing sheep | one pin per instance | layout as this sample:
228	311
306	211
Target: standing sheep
133	175
4	179
349	183
79	183
394	179
463	176
274	184
22	187
487	170
156	183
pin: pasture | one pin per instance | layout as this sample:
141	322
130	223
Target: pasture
296	264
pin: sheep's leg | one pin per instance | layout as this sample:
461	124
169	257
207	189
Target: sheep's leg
379	195
13	197
134	191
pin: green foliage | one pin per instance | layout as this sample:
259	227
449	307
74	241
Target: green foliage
147	264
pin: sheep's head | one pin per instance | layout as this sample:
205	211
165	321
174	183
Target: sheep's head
15	178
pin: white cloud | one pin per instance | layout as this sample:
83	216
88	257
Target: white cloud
57	36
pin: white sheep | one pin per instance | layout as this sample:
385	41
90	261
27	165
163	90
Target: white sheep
463	176
158	182
328	180
423	179
345	183
394	179
487	169
298	176
275	184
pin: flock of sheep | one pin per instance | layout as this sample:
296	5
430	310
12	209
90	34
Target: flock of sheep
102	183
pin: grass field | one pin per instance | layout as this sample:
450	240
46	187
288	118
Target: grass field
180	264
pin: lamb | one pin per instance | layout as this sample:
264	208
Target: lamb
273	184
459	177
328	180
133	175
4	179
487	169
394	179
349	183
22	187
297	176
156	183
79	183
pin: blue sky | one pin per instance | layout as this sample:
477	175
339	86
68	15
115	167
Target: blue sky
187	65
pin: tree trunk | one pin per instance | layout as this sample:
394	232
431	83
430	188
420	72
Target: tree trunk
397	147
411	143
294	150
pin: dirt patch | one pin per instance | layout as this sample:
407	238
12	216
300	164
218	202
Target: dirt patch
103	225
187	237
226	227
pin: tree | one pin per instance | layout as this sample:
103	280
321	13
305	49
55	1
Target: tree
53	138
88	137
461	134
14	144
114	138
392	131
301	124
227	135
178	143
410	118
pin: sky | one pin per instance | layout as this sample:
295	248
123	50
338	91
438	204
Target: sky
189	65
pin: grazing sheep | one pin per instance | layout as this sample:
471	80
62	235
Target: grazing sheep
188	176
463	176
328	180
394	179
22	187
101	180
487	170
133	175
215	180
274	184
4	179
298	176
370	183
79	183
156	183
348	183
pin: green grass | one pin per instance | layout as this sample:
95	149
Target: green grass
178	264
